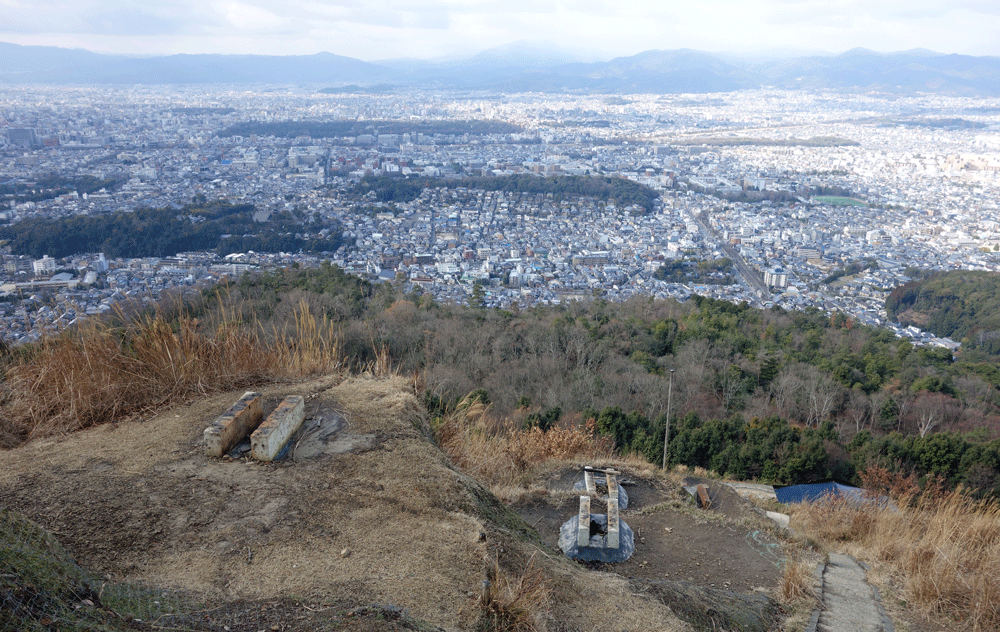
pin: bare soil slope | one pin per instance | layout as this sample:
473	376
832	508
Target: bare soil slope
365	511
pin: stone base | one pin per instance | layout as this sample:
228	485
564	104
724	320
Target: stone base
597	551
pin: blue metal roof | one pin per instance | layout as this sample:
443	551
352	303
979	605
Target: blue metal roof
816	491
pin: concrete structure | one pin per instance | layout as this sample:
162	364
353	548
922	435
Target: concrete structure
267	441
233	425
598	537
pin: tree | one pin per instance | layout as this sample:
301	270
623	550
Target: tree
822	394
477	298
858	409
783	389
928	409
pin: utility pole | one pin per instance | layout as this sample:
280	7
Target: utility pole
666	433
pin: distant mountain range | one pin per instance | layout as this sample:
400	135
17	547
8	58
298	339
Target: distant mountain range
523	68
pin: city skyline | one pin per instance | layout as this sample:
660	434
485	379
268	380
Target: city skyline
594	30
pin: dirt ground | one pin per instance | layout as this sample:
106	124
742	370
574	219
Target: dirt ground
363	521
727	546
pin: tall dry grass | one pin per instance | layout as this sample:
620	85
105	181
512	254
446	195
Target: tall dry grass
796	581
944	548
514	602
500	453
106	371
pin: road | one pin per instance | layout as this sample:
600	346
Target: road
749	276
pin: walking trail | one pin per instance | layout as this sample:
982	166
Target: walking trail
849	603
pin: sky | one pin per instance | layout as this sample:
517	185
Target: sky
590	29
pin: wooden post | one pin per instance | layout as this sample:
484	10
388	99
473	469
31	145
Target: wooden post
703	498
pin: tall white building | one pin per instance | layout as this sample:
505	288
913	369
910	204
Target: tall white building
45	265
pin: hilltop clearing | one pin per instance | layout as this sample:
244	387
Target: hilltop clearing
674	540
371	514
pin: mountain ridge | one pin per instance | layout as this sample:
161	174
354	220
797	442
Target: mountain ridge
523	67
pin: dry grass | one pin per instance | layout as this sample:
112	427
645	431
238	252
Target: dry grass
500	454
514	602
797	582
105	371
943	549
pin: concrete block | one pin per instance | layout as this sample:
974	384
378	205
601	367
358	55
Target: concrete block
780	518
583	525
234	424
614	531
272	435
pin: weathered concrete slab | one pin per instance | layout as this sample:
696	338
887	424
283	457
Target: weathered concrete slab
272	435
849	602
614	524
583	522
233	425
754	490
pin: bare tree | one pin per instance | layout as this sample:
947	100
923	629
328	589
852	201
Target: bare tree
784	389
822	396
875	403
805	393
858	409
929	410
904	402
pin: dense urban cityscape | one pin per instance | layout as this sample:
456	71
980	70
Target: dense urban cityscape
500	317
822	200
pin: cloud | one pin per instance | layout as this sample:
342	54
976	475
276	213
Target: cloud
426	28
93	17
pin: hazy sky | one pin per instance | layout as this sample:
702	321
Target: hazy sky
380	29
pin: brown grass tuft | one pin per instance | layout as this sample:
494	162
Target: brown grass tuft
106	371
514	602
796	582
499	453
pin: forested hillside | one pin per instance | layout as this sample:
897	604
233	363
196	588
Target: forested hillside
781	396
620	191
217	226
962	304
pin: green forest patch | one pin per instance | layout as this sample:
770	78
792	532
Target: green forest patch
835	200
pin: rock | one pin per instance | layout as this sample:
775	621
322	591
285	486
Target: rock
345	553
597	551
